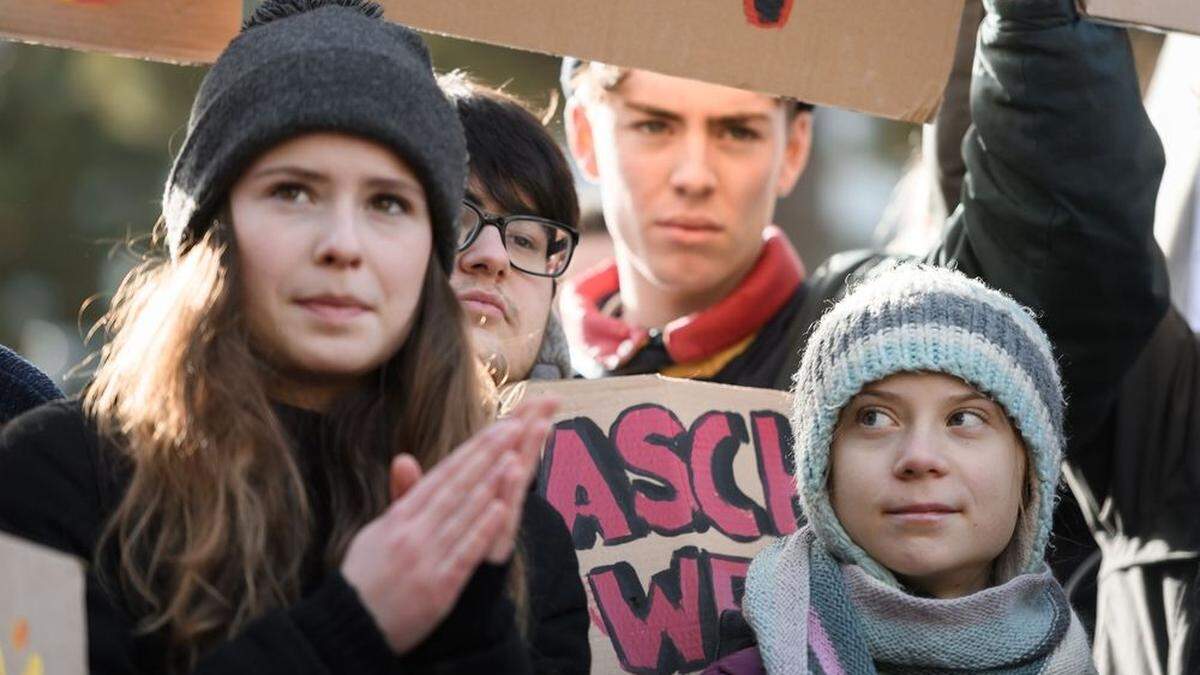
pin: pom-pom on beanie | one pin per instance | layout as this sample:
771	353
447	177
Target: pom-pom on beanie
302	66
917	318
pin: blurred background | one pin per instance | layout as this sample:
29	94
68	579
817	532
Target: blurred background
86	140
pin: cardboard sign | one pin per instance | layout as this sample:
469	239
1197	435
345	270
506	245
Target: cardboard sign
184	31
876	56
42	628
669	488
1180	15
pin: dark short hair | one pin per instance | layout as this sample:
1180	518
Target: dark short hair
512	156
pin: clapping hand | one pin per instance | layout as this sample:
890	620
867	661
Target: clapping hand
410	564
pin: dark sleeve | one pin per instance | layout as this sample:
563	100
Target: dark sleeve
1057	208
479	636
558	626
327	632
1146	493
53	490
954	115
330	632
50	493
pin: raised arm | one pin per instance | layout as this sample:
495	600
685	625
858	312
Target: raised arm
1057	207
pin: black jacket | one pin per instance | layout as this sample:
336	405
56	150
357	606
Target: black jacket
59	483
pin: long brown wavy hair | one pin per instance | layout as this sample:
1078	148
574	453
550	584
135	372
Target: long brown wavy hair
216	522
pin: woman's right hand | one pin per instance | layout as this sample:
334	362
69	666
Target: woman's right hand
410	564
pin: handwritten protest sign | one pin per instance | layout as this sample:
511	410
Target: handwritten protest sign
41	611
669	488
187	31
875	56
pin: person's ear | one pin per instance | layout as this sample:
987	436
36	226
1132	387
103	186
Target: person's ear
581	140
796	149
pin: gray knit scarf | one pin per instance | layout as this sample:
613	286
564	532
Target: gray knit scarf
812	614
553	360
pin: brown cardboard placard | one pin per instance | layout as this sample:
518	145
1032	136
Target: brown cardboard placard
41	610
1177	15
875	56
181	31
669	488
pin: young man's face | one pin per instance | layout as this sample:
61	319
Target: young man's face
507	308
689	175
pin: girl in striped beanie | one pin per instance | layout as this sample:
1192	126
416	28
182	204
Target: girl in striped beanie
928	421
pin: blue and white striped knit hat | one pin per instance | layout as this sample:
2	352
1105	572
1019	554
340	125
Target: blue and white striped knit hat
911	318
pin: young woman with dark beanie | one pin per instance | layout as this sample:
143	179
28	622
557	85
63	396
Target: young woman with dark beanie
283	463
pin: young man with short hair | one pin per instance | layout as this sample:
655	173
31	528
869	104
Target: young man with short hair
517	231
702	285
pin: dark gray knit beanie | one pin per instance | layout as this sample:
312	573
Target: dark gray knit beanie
302	66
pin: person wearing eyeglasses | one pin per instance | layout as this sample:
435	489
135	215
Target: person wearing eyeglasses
517	230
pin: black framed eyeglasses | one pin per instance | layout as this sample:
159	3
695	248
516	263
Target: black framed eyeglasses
536	246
